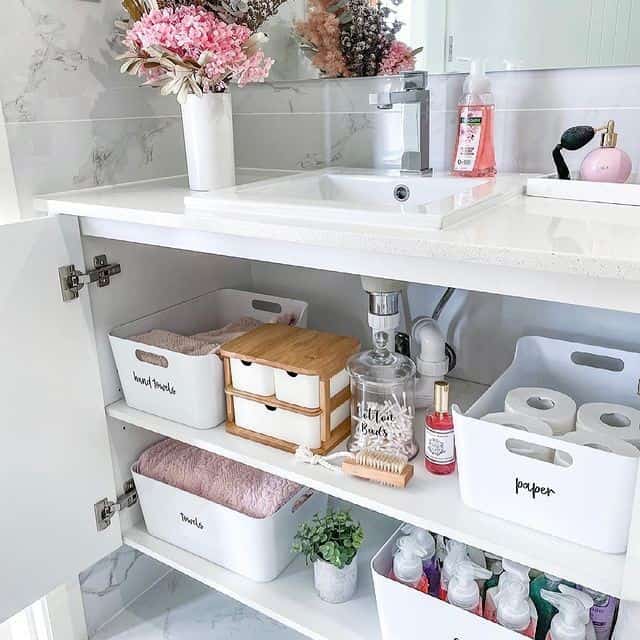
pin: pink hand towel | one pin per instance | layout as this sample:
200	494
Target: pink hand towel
232	484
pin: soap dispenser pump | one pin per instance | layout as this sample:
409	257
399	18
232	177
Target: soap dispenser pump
608	163
464	591
570	623
514	610
514	573
407	564
429	561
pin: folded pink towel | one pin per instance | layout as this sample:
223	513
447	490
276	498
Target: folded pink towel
228	332
232	484
175	342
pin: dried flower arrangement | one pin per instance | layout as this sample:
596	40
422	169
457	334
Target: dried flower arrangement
346	38
196	46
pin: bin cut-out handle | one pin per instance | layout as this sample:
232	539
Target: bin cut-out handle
596	361
292	374
266	305
152	358
268	407
301	500
246	363
539	453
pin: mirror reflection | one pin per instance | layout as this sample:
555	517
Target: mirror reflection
350	38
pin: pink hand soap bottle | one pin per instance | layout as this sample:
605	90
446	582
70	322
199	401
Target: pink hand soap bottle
475	155
608	163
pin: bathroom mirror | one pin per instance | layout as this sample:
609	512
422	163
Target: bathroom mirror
507	34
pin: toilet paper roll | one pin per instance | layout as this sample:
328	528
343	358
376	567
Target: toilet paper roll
556	409
615	420
603	442
528	424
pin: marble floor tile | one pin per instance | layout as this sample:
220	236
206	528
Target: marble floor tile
181	608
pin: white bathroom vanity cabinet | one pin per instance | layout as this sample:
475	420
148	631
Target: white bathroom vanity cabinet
68	440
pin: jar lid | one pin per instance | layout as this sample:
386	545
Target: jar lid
393	369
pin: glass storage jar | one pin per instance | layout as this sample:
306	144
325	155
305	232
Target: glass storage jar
382	400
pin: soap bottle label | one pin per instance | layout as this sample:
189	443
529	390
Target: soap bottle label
469	138
439	446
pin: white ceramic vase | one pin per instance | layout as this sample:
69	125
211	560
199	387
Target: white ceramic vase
335	585
208	138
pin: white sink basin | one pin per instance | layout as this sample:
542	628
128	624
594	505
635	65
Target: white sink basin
361	196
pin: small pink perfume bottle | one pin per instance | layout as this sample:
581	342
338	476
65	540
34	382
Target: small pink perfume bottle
608	163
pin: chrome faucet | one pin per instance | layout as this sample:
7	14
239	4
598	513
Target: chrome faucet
415	99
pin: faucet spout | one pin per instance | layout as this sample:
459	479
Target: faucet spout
415	100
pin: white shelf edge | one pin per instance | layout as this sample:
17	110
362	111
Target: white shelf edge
290	599
428	502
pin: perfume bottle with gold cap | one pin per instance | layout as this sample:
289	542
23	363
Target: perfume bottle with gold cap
608	163
439	445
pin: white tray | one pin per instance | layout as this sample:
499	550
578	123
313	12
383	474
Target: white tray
603	192
591	501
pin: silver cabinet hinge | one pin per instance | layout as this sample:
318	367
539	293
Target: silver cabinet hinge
72	280
105	509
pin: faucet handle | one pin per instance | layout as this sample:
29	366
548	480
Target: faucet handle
415	79
382	99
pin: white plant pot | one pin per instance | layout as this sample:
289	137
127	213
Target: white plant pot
335	585
208	138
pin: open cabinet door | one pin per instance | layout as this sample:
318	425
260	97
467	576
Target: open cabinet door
55	462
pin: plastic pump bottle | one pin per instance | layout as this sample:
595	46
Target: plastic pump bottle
513	572
463	590
514	609
546	610
570	623
456	552
407	564
429	562
475	155
602	613
587	602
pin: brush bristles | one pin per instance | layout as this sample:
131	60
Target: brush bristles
381	461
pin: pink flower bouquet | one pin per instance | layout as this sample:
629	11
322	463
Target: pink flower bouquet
187	49
345	38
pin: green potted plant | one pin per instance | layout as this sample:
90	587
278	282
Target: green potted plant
331	543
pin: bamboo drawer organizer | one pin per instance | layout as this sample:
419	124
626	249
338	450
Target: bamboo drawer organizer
297	352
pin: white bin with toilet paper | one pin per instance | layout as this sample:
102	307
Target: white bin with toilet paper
588	502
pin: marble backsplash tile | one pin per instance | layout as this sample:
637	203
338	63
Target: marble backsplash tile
111	584
313	141
56	156
61	57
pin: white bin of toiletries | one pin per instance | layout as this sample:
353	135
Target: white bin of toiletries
589	502
257	548
407	614
184	388
285	425
304	391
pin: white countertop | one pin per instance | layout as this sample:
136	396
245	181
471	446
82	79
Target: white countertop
511	248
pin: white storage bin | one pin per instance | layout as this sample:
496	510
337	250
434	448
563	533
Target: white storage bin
407	614
252	377
304	391
589	502
189	389
282	424
257	548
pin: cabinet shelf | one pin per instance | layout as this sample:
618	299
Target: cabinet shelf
430	502
291	598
